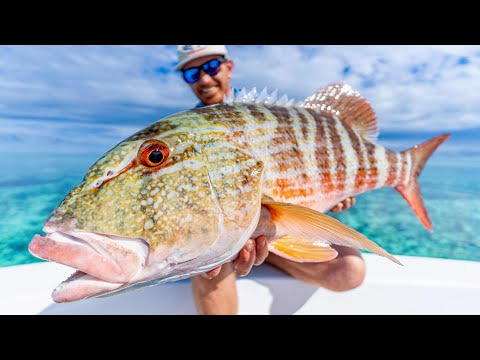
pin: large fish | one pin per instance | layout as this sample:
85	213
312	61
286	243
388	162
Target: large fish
183	196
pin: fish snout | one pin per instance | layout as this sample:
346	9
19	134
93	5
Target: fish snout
116	260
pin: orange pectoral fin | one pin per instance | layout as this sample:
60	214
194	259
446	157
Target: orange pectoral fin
300	250
304	223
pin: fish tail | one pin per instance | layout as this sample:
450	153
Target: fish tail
410	190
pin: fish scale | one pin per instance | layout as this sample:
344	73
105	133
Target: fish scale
299	134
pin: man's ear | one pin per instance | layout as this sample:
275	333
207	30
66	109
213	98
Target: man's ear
230	67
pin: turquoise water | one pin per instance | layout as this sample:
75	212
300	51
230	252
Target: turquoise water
31	186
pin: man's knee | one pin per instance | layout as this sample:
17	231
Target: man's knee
346	274
342	274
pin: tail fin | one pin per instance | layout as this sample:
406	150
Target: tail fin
411	190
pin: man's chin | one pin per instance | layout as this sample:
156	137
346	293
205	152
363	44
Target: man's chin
212	100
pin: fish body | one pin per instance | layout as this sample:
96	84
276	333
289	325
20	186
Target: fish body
311	159
183	195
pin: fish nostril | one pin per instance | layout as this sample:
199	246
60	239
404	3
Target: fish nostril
109	172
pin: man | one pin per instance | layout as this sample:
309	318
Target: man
207	69
197	60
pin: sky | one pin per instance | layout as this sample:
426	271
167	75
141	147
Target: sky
85	99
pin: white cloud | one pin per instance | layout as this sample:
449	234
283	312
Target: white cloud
441	95
73	78
421	88
24	136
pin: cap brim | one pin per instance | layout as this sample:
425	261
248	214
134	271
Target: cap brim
182	63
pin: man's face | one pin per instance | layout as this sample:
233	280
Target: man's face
211	89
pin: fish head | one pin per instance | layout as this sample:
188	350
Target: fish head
167	203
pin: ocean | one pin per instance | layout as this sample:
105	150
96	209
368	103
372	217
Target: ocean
32	185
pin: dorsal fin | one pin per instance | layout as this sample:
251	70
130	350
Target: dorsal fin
349	105
264	98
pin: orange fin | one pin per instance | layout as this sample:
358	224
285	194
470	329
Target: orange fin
302	250
349	105
304	223
411	190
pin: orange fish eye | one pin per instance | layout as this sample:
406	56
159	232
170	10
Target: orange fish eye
153	153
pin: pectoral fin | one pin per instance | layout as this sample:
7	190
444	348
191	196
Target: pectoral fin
302	250
304	223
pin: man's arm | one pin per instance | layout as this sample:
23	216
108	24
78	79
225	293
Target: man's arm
218	295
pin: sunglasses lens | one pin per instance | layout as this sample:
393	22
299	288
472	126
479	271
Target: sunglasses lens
191	75
212	67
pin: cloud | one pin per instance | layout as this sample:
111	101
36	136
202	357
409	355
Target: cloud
85	82
37	137
410	87
107	91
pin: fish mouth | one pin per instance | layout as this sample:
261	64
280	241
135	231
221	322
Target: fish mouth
103	262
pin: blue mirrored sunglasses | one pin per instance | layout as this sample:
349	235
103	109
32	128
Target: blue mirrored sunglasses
212	67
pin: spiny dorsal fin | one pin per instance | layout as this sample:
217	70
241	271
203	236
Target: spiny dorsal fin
349	105
264	98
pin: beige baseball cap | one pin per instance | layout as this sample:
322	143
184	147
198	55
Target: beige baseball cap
188	53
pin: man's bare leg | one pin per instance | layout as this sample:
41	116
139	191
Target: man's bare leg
345	272
217	296
215	292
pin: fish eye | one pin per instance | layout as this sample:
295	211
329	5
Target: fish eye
153	153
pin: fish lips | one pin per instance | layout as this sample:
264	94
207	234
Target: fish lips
103	259
80	286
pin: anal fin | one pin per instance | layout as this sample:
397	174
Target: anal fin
301	250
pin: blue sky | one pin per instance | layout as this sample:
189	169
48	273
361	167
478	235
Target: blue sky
85	99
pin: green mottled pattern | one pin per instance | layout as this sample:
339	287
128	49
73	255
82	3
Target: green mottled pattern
205	188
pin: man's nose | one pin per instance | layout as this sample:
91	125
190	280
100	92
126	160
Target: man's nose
204	77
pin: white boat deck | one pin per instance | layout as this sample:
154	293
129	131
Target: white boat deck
422	286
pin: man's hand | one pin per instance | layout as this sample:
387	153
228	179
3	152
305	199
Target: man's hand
344	205
256	251
253	253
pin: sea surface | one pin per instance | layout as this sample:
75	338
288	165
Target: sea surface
32	185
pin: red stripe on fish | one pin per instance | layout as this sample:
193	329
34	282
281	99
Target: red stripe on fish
340	169
403	174
287	188
321	153
290	157
372	171
392	169
303	123
361	161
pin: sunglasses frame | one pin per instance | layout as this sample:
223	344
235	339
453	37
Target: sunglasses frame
205	68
